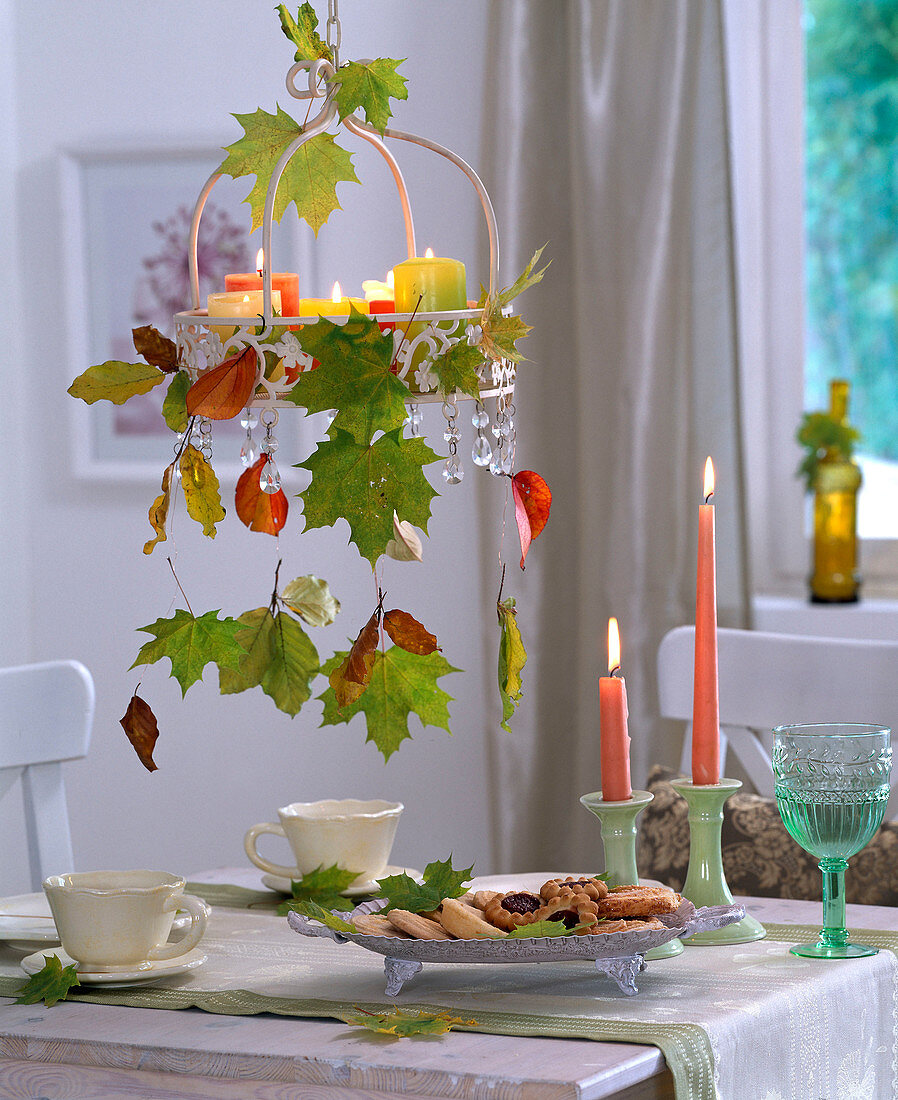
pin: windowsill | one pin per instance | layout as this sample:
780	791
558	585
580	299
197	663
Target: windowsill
877	619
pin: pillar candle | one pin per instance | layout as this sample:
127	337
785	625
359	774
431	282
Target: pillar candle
614	738
335	306
438	281
705	706
238	304
285	283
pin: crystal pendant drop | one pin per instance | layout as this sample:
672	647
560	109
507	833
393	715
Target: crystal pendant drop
452	472
480	418
248	451
496	467
249	420
481	452
270	478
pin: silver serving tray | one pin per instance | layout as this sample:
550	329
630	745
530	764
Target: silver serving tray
620	955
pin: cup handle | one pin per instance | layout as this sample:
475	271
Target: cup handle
249	843
199	918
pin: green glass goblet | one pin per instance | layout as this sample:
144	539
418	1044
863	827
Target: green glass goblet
832	785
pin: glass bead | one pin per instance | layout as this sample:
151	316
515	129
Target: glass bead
481	452
270	478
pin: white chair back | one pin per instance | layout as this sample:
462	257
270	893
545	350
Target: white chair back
769	680
46	714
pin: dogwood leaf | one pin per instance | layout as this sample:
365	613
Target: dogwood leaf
50	984
403	1022
311	599
439	881
303	33
200	487
141	729
532	501
258	510
174	407
191	643
222	392
512	658
158	514
370	85
115	381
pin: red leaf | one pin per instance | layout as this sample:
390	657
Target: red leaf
223	391
408	633
258	510
532	501
139	723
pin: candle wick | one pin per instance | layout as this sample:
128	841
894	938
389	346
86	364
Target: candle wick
708	497
615	671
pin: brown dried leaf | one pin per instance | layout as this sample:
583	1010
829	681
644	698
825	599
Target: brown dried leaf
139	724
222	392
258	510
351	678
156	348
408	633
158	514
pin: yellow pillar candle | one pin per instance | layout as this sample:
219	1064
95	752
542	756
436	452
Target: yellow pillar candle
335	306
238	303
438	281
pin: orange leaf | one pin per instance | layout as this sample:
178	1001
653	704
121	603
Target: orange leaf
139	723
408	633
353	676
258	510
532	501
222	392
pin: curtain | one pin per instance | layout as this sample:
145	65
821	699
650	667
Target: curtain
606	139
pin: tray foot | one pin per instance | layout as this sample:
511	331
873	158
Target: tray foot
623	971
399	971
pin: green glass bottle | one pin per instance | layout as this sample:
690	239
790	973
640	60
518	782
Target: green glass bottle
835	577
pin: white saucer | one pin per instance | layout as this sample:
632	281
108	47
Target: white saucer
282	885
163	968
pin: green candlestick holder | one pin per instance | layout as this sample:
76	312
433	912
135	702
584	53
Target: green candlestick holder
618	823
705	881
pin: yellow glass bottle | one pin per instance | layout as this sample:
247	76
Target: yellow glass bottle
835	577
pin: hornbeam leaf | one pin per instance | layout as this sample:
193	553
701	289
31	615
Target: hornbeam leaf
200	487
115	381
255	636
158	514
190	644
403	1022
365	484
512	658
50	984
370	86
174	407
401	684
310	178
156	348
141	729
280	658
407	632
456	369
303	32
351	678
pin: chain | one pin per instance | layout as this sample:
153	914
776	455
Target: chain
334	31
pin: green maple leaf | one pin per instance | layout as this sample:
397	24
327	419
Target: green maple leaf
512	658
365	484
540	928
503	332
50	984
370	86
303	33
310	178
174	407
115	381
317	912
526	279
190	644
440	881
279	657
401	684
457	369
402	1022
353	377
324	885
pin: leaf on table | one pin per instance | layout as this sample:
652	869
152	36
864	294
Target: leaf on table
353	376
115	381
221	393
311	599
303	32
540	928
174	407
456	369
512	658
405	545
401	684
256	509
440	880
407	632
365	484
200	486
310	178
50	984
139	724
156	348
191	643
323	885
370	85
532	502
404	1022
350	679
158	514
278	656
317	912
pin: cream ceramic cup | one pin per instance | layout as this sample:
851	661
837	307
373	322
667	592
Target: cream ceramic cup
121	920
355	835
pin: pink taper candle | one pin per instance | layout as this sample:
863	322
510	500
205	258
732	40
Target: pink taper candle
705	707
615	741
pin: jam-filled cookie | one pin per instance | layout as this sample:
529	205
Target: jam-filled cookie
594	888
508	911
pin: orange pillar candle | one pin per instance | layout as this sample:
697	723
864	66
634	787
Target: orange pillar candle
287	282
705	704
615	741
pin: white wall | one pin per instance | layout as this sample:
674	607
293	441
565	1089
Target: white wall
99	74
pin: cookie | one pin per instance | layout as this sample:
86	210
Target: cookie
466	922
594	888
422	928
511	910
482	898
573	909
373	924
638	901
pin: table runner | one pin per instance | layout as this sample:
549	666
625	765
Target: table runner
717	1014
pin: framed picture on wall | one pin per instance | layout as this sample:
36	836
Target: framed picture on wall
127	214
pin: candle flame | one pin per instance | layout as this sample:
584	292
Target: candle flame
246	297
260	260
336	293
613	645
709	479
428	255
390	278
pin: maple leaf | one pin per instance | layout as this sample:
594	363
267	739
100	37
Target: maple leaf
408	633
524	281
115	381
512	658
200	487
156	348
370	85
222	392
324	886
532	501
190	644
403	1022
351	678
311	599
405	544
439	881
499	336
365	484
141	729
456	369
317	912
158	514
278	656
353	377
174	407
258	510
310	178
540	928
401	684
303	32
50	984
